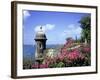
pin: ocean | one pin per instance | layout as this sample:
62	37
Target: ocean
29	50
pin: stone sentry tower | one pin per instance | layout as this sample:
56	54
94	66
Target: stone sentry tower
40	40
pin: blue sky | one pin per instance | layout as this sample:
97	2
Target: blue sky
56	25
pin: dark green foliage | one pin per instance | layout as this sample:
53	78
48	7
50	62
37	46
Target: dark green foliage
85	24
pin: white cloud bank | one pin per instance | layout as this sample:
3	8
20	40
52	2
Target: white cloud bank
72	31
44	27
26	14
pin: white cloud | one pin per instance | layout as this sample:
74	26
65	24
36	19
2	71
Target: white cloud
44	27
26	14
49	26
72	26
72	31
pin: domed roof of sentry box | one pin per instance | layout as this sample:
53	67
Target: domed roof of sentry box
40	35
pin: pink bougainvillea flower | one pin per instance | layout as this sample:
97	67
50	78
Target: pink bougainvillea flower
43	66
87	49
74	54
35	65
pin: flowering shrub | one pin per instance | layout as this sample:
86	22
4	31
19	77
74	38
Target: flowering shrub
86	50
35	66
44	66
73	55
77	56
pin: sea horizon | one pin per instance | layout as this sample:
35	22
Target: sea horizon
29	50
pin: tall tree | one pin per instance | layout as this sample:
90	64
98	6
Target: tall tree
85	24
